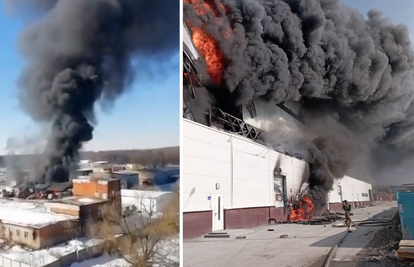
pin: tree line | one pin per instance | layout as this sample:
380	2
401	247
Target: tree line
144	157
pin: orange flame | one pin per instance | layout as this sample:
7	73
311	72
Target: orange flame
200	7
304	212
206	43
212	55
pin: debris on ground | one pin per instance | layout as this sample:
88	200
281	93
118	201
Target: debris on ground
284	236
382	250
406	250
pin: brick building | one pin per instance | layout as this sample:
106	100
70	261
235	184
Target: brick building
36	229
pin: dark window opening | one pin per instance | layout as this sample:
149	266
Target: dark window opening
279	187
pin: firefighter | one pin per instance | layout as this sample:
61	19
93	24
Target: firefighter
347	208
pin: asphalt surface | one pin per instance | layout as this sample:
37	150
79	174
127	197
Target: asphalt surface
306	245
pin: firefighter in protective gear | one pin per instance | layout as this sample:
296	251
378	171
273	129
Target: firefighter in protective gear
347	208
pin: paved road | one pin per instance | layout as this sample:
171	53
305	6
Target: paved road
348	250
307	245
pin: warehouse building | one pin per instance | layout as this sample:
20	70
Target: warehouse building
233	182
233	178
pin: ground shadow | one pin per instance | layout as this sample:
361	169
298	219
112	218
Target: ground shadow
359	233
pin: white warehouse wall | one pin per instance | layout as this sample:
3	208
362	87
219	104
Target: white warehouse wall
212	156
352	190
206	161
270	117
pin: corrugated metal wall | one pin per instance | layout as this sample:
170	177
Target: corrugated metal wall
406	209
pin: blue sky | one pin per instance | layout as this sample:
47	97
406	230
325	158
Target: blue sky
399	11
145	117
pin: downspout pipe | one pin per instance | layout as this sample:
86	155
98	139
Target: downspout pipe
231	172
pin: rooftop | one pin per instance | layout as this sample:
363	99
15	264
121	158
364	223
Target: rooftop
29	218
81	200
87	179
142	193
126	172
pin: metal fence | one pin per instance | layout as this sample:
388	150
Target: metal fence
65	260
6	262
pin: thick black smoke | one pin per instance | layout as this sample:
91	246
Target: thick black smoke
81	52
328	56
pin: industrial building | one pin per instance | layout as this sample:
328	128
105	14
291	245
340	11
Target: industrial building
61	219
146	201
34	229
233	179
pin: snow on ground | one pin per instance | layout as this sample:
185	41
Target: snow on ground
103	261
46	256
169	252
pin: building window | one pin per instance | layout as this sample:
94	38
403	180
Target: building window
26	234
252	109
18	232
364	194
3	230
279	187
34	235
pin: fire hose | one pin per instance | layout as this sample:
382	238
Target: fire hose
373	223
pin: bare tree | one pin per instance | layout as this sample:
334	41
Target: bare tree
142	234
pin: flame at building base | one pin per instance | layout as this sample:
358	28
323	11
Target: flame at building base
304	212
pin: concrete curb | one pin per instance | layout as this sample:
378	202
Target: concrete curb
332	252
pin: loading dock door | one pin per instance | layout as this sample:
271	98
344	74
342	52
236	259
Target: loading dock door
279	182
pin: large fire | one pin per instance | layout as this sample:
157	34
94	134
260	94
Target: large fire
304	212
206	43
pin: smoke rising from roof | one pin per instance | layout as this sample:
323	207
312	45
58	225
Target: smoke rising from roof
81	53
325	54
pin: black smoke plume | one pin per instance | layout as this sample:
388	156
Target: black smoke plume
324	54
80	53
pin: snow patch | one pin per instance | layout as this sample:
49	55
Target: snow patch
85	200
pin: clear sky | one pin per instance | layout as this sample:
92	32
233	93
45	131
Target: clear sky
398	11
145	117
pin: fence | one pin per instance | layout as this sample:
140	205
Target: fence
6	262
65	260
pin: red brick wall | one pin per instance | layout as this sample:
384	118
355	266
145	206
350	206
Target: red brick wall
196	224
335	207
252	217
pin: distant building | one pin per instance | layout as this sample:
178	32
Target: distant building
407	187
128	179
402	188
167	175
34	229
146	201
145	176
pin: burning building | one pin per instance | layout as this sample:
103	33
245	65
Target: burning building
235	176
